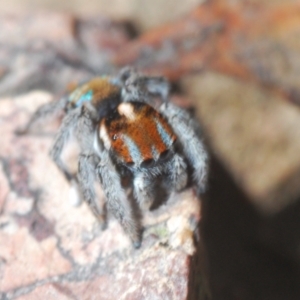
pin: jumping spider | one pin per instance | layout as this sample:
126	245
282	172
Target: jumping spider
118	128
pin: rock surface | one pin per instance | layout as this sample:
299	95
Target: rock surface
51	50
256	135
53	250
253	40
142	13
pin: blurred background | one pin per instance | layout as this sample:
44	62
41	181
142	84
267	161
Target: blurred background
145	14
236	65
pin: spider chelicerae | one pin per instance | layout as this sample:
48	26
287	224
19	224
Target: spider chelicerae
122	130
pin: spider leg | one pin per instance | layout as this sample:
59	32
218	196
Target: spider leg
193	148
143	190
177	172
86	178
117	201
69	122
139	87
158	86
44	111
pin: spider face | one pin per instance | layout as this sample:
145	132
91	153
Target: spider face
136	134
117	124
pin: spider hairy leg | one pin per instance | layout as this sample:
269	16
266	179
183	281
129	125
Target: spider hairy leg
44	111
158	86
143	190
68	124
193	148
177	170
117	201
86	177
143	88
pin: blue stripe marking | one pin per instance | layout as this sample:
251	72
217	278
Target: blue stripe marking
133	149
88	96
154	152
166	138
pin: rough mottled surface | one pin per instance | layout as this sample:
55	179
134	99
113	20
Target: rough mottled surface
252	40
142	13
51	50
53	250
255	133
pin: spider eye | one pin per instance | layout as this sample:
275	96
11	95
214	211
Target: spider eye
165	155
115	136
147	163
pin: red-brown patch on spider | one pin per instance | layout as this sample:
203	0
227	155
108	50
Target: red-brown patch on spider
109	132
147	135
137	122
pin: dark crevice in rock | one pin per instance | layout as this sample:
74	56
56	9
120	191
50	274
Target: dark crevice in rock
39	227
198	280
77	274
246	259
64	253
132	31
16	172
64	290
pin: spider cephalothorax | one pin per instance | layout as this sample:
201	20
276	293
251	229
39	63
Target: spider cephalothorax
117	128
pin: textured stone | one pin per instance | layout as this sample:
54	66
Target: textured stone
48	291
144	14
253	41
19	28
27	261
154	274
255	134
38	48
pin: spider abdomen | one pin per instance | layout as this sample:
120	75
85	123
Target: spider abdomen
137	134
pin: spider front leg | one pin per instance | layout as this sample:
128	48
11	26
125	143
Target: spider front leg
68	124
177	172
44	111
117	200
143	189
193	148
86	178
137	87
158	85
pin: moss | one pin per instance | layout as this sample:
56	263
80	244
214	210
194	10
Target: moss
160	230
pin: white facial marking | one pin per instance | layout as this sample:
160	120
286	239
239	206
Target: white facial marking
96	144
126	109
104	137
